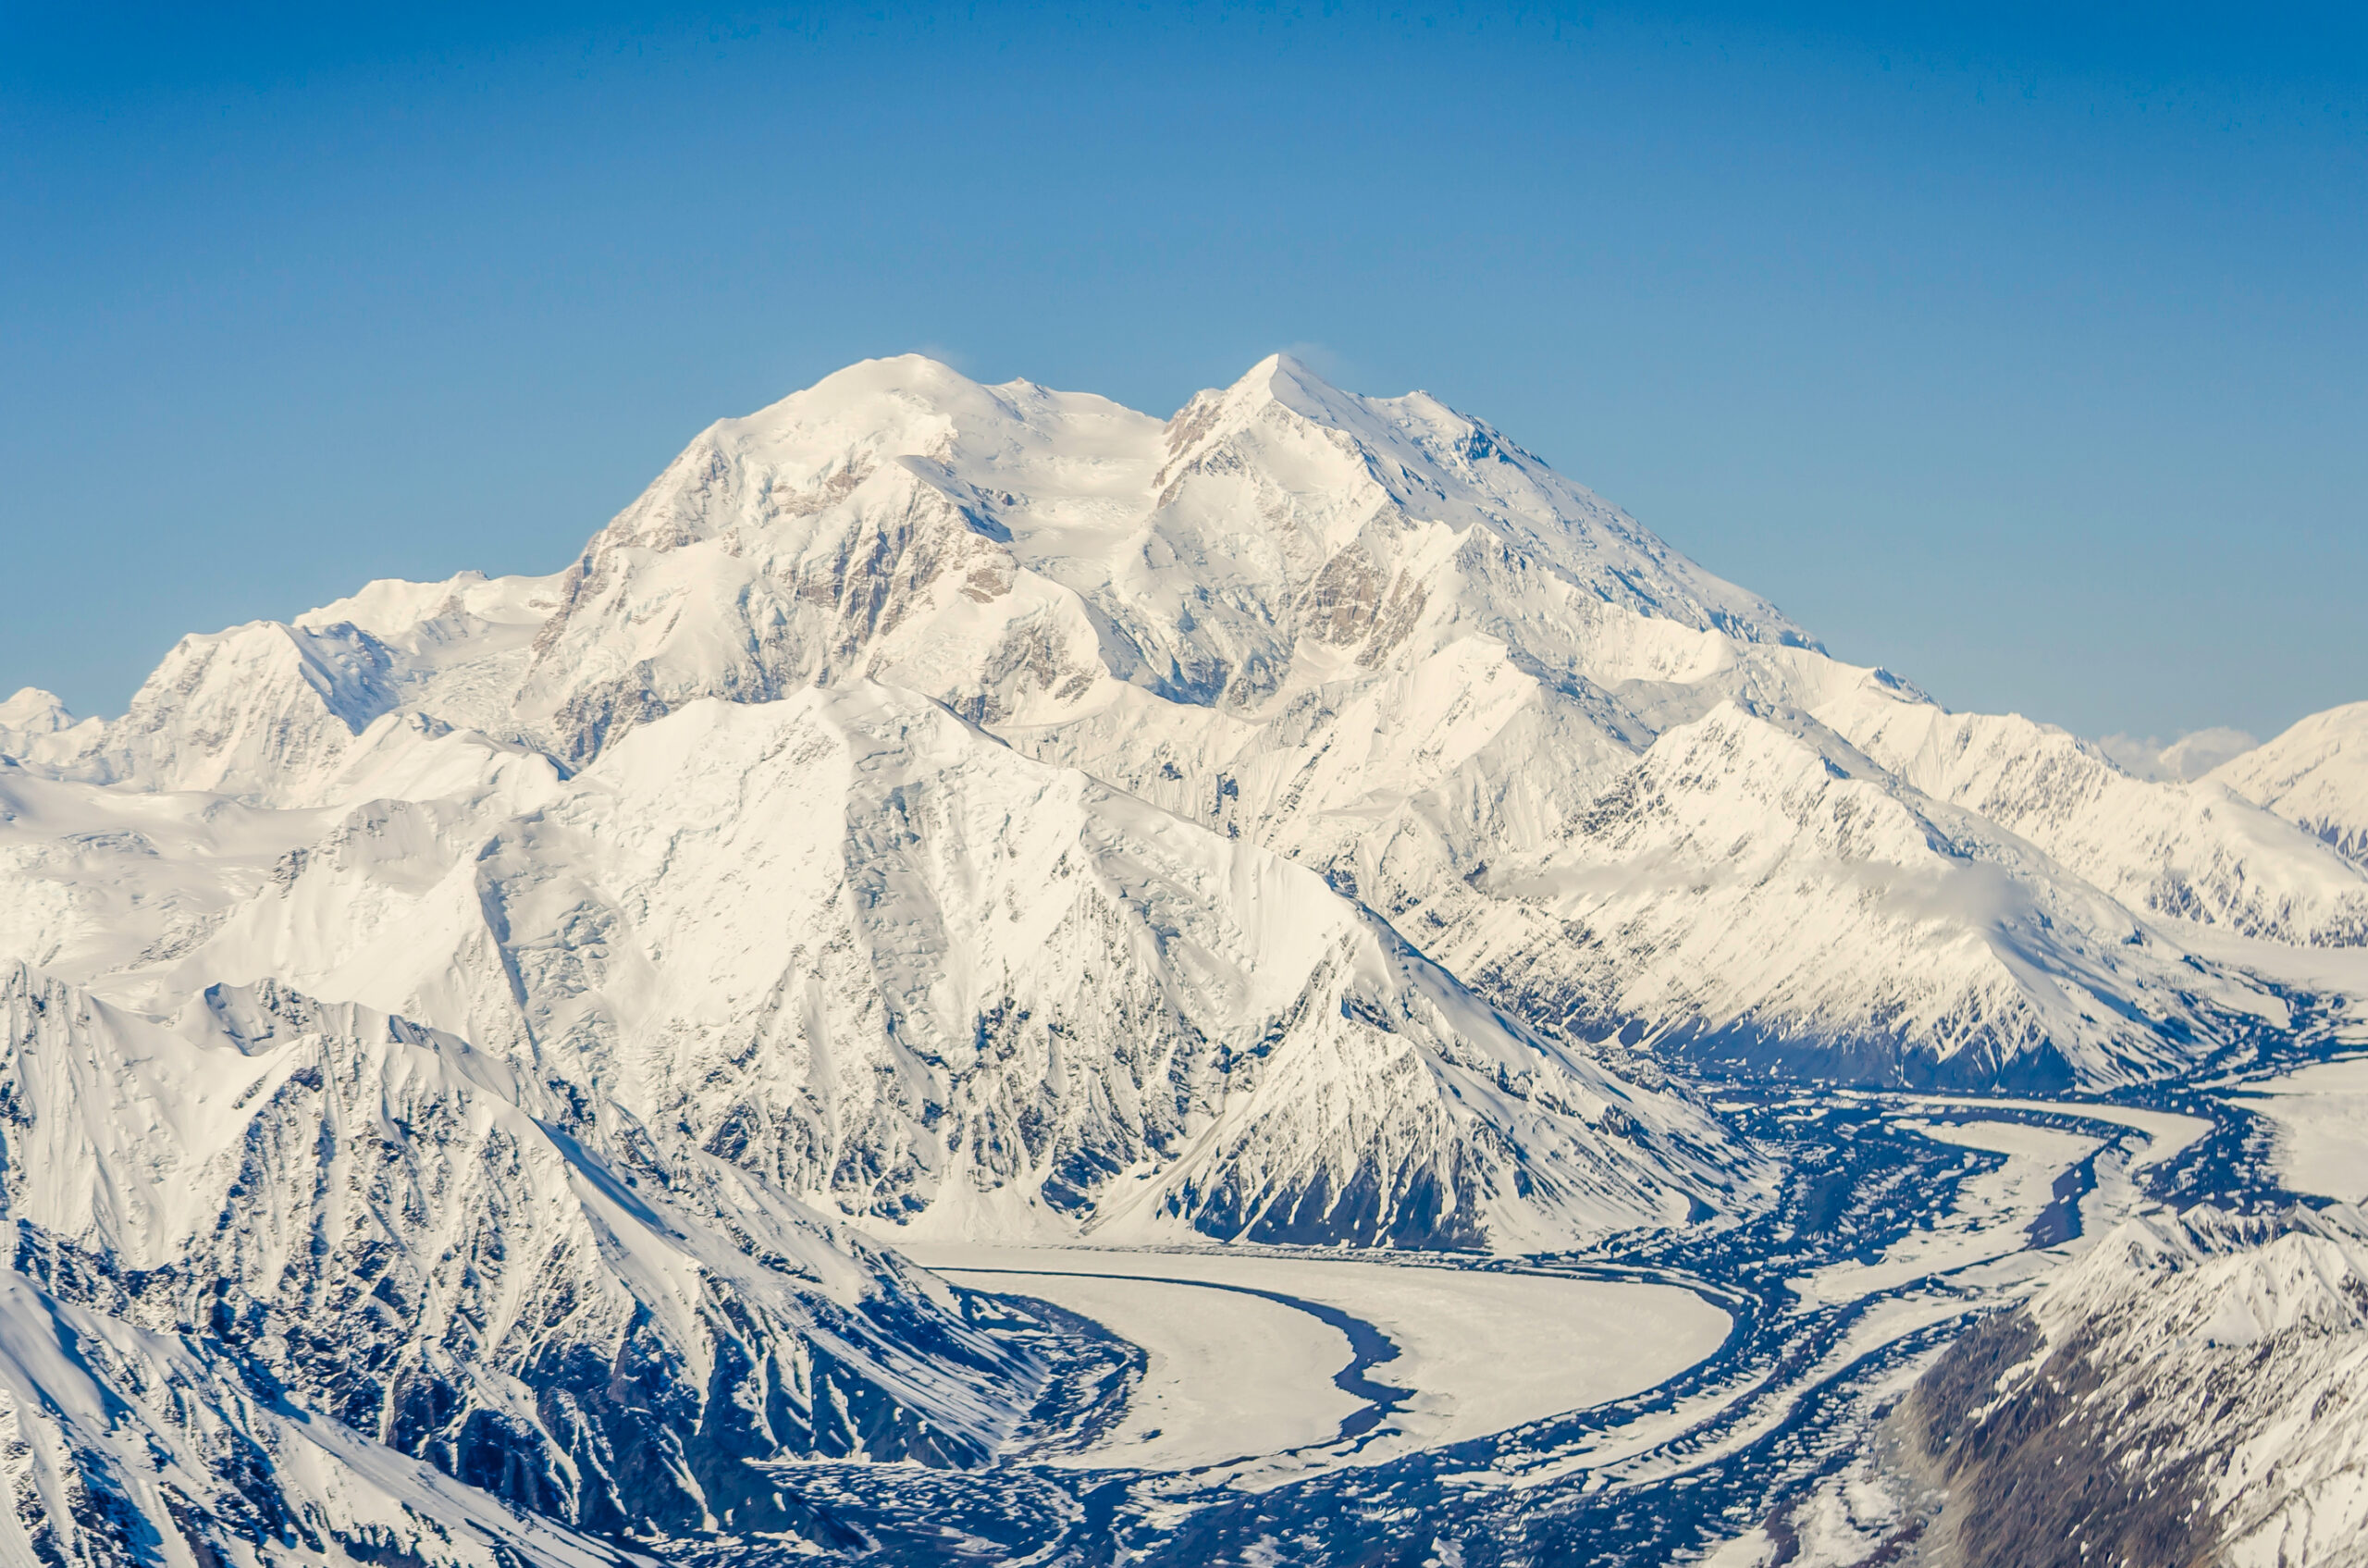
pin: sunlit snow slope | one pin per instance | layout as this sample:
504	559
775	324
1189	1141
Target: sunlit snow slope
2314	775
1373	635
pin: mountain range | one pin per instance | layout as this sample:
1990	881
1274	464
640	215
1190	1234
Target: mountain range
967	811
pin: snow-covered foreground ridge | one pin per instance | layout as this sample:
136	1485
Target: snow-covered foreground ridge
266	1211
2191	1390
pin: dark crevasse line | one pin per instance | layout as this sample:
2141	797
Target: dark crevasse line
1368	1346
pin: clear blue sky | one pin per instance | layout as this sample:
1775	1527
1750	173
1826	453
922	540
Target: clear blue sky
2028	358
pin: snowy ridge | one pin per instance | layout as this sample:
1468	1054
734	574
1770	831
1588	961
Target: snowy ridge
121	1445
2194	851
2191	1390
2189	757
458	1262
2227	1364
1757	891
851	944
2314	775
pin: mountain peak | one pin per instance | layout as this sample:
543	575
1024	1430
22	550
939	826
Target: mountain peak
1287	379
867	393
35	726
34	711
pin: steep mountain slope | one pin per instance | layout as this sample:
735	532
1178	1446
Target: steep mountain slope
111	885
1760	891
2193	851
508	1278
2314	775
119	1445
2194	1390
1371	633
851	944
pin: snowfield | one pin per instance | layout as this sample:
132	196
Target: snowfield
1230	1376
2320	1146
1481	1350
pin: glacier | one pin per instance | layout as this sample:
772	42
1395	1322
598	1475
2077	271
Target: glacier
480	1046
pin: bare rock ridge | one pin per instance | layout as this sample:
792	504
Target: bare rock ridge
2189	1393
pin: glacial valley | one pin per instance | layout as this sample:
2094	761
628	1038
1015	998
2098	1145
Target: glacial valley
985	977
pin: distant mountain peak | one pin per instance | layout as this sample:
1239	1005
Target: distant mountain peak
34	711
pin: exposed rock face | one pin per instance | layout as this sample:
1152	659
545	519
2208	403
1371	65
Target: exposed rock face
2193	1392
2040	1480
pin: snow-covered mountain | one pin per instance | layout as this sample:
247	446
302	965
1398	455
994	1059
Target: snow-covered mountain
2192	851
2193	1390
854	945
514	1279
2314	775
1755	888
618	975
473	1016
35	723
1371	633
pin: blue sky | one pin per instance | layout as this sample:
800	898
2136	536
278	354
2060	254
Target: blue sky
2027	357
